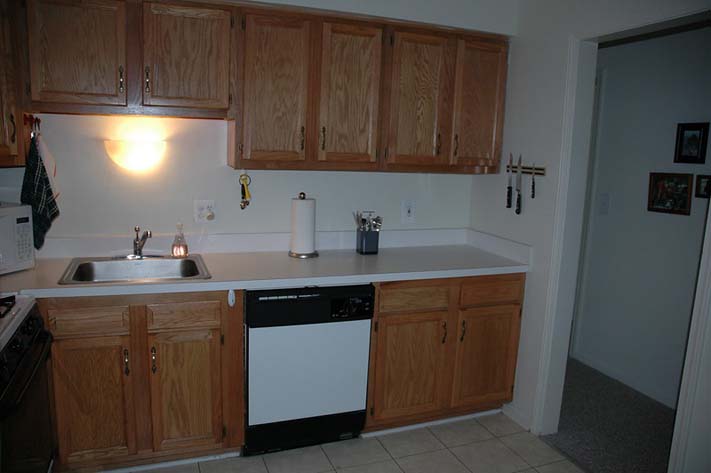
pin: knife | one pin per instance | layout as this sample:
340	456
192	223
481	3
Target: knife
518	186
509	171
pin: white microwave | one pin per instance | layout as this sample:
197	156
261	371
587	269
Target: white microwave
17	249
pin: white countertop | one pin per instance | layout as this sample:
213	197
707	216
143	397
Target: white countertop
269	270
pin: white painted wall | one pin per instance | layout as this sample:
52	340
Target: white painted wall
495	16
100	198
540	105
640	267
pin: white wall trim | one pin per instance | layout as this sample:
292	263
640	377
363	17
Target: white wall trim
545	422
692	398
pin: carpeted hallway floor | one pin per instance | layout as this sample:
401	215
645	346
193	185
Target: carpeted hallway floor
608	427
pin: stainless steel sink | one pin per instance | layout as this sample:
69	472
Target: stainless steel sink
133	269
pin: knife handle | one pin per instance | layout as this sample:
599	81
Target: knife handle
508	196
533	188
518	202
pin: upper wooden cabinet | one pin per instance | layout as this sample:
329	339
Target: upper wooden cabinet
479	103
10	120
187	55
350	93
420	99
78	51
276	83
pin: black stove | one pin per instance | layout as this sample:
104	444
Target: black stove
25	345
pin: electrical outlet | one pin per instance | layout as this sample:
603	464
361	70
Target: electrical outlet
203	211
407	211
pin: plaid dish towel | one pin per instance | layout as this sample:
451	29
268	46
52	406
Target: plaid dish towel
37	192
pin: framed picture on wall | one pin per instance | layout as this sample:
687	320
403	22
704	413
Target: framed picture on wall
703	186
670	193
691	139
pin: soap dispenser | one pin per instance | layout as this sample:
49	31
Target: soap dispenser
179	249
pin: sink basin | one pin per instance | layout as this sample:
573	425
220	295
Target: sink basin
145	269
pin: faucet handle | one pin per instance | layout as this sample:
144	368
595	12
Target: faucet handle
137	229
149	234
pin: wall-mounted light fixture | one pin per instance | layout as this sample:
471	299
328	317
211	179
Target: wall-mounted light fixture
140	146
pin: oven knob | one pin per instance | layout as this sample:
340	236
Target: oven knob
29	326
16	345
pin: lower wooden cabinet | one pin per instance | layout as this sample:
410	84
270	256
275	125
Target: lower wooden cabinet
410	363
93	399
487	341
142	377
186	400
456	359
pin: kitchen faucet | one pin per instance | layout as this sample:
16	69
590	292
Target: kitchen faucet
139	242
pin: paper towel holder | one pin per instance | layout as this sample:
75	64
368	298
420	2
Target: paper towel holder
302	196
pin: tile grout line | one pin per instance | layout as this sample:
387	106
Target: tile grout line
328	459
397	465
449	450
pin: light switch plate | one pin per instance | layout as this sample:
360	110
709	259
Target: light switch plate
203	211
407	211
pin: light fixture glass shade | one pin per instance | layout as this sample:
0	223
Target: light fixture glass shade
138	155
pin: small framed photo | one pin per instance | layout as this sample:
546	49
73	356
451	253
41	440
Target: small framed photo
691	139
670	193
703	186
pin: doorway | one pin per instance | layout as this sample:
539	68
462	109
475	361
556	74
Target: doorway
638	267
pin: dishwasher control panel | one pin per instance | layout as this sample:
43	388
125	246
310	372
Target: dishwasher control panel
353	306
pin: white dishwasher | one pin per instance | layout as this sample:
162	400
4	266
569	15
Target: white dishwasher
307	365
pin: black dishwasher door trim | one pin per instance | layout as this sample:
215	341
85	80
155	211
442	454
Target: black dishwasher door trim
309	305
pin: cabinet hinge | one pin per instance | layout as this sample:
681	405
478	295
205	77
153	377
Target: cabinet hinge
224	431
371	412
375	327
240	147
392	40
244	23
222	339
232	21
229	99
385	153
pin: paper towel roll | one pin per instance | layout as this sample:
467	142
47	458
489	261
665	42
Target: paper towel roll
303	228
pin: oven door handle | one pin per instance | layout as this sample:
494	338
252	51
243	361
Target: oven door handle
13	396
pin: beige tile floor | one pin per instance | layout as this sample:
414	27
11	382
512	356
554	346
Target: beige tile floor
491	444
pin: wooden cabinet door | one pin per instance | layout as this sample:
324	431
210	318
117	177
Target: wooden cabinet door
9	119
350	89
186	396
479	103
78	51
487	345
186	53
409	365
420	102
93	400
276	65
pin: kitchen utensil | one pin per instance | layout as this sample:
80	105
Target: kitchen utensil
533	182
519	174
509	171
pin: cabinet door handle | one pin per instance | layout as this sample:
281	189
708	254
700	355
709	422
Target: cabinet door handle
148	79
13	135
444	337
154	357
121	88
303	137
438	144
456	145
126	371
323	138
464	330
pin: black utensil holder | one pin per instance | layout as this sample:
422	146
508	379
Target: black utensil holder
367	242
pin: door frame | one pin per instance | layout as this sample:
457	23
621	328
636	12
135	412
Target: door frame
567	239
